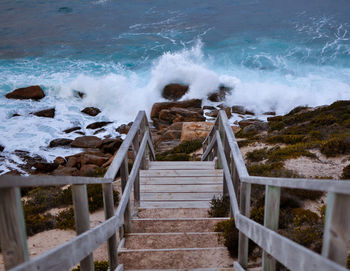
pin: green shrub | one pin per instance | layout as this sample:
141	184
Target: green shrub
346	173
172	157
348	264
65	220
219	207
324	119
289	152
286	139
304	194
257	214
257	155
36	223
188	146
276	125
229	232
336	145
99	266
180	152
275	169
95	197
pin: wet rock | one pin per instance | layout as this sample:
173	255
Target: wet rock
65	171
91	111
228	112
270	113
174	92
67	131
45	167
1	148
157	107
220	94
209	107
32	92
195	130
60	142
176	114
28	159
15	115
124	129
98	124
78	94
88	170
47	113
111	145
86	142
167	138
92	159
80	133
212	114
99	131
255	126
60	161
247	122
72	162
238	109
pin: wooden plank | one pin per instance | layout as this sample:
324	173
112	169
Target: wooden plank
136	146
181	188
181	180
13	236
161	163
174	204
82	221
207	154
180	173
336	186
178	196
337	228
237	266
112	244
182	165
271	217
124	174
290	254
35	180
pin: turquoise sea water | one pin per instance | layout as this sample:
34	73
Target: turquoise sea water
274	54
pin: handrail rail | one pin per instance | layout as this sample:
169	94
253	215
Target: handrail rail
289	253
66	255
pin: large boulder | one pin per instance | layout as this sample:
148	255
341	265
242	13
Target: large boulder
97	125
167	138
91	111
195	130
157	107
60	142
86	142
32	92
220	94
124	128
45	167
93	159
174	92
111	145
176	114
47	113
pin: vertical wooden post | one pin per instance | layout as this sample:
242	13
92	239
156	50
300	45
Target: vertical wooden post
13	236
271	217
82	221
136	146
108	203
337	228
244	206
124	175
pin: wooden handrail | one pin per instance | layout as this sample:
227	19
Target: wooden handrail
287	252
65	256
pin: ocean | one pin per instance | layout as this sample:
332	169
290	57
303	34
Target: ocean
275	55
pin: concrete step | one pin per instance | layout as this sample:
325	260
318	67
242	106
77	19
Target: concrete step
151	225
177	258
173	213
172	240
182	165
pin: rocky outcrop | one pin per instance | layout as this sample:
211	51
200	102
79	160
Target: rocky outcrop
47	113
60	142
167	138
111	145
99	124
45	167
91	111
220	94
86	142
195	130
174	92
157	107
32	92
124	128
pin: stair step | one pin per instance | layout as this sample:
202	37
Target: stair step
191	269
172	240
208	188
182	173
160	196
145	225
182	180
172	213
177	258
182	165
175	204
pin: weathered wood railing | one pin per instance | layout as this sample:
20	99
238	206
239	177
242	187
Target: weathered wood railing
221	143
65	256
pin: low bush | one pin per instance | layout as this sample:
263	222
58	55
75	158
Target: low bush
286	139
99	266
289	152
275	169
181	152
257	155
65	220
304	194
346	173
219	207
336	145
36	223
229	233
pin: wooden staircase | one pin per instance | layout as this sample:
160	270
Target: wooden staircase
172	230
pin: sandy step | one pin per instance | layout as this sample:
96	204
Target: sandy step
145	225
178	258
172	240
182	165
175	204
160	196
173	213
182	173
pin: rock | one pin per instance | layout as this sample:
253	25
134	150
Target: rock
79	133
91	111
86	142
247	122
99	131
228	112
271	113
220	94
208	107
45	167
92	159
109	162
78	94
157	107
15	115
110	145
235	129
73	162
65	171
124	129
212	114
47	113
1	148
238	109
88	170
176	114
256	127
67	131
167	138
60	142
99	124
60	161
195	130
28	160
174	92
32	92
